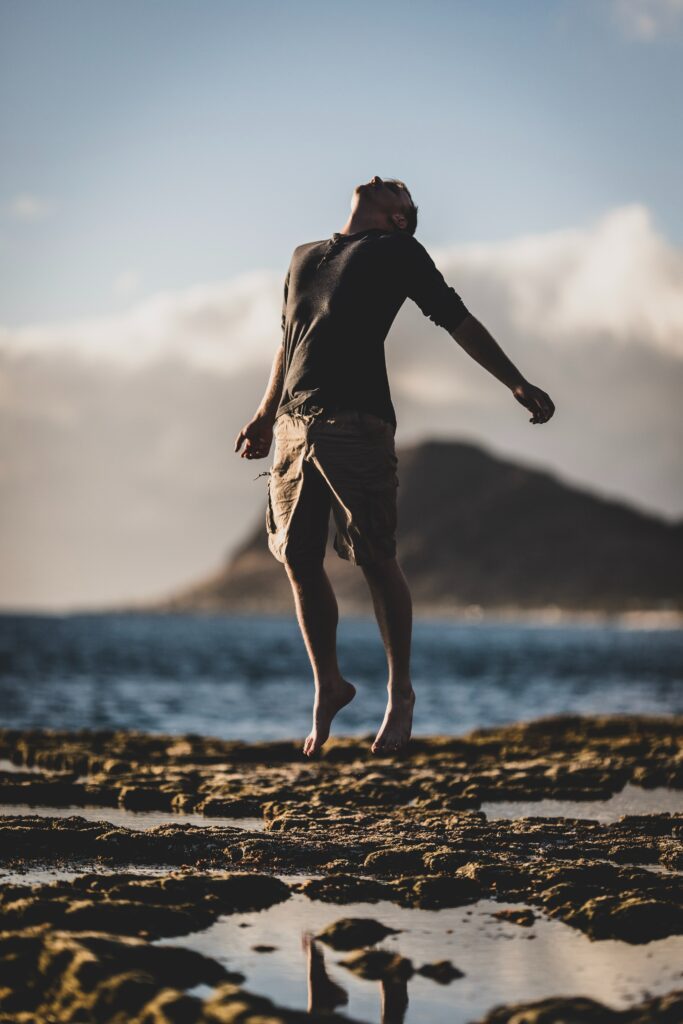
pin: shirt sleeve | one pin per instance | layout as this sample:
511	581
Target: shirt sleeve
428	289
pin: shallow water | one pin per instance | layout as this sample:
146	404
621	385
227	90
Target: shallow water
502	962
631	800
137	820
248	677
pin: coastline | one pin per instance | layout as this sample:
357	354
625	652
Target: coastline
343	830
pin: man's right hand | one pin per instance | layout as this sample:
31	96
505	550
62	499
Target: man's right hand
258	437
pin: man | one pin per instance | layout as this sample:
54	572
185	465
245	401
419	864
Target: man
329	407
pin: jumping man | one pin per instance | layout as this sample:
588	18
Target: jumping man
328	405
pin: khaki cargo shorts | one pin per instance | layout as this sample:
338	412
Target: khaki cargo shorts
344	462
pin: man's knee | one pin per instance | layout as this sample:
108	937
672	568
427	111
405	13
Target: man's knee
380	566
301	567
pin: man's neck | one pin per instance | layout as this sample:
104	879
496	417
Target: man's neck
355	224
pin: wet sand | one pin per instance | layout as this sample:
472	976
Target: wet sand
345	831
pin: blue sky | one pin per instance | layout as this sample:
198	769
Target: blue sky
154	144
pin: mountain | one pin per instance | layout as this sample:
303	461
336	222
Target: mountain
479	530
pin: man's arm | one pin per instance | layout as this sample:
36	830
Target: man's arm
473	337
258	432
442	304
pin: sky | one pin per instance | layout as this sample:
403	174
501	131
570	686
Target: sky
162	159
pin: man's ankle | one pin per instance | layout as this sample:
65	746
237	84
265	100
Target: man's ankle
330	681
402	690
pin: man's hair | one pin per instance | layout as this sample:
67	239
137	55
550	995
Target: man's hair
411	214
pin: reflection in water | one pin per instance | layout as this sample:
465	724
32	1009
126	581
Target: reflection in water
497	960
325	995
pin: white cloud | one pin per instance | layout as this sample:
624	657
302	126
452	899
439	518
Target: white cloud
28	208
217	327
648	19
617	277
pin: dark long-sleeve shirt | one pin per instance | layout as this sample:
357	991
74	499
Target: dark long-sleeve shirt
341	296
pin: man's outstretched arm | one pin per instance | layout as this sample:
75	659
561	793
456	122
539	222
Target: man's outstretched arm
473	337
442	304
258	432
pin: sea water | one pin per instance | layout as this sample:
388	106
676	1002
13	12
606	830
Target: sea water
248	677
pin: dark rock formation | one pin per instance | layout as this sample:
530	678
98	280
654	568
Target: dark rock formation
478	529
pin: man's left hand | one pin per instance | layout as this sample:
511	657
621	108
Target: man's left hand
535	400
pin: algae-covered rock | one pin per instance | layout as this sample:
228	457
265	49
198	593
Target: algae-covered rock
434	891
634	919
377	964
354	933
525	918
399	861
666	1009
346	889
442	971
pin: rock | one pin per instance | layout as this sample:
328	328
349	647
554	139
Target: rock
237	808
398	862
346	889
665	1009
140	905
434	891
525	918
377	964
442	971
144	798
354	933
445	861
634	920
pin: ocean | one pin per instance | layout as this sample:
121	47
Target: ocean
247	677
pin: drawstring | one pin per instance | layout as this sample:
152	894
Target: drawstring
266	472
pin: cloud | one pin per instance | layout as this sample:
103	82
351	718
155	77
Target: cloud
617	277
218	327
117	472
648	19
28	208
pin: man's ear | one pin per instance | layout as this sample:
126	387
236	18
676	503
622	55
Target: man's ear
400	221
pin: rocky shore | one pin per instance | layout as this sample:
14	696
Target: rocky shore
347	828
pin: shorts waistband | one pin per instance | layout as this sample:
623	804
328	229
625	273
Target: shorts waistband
315	414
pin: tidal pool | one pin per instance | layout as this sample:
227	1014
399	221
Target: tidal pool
630	800
137	820
502	962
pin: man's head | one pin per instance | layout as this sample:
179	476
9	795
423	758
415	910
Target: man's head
388	202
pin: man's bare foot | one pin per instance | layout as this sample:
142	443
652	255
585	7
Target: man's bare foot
395	730
328	701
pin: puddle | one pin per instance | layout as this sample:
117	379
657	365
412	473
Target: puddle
502	962
137	820
9	766
631	800
42	873
45	873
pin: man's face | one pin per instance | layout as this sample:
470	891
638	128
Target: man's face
389	200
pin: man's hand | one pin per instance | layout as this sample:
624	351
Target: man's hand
535	400
258	435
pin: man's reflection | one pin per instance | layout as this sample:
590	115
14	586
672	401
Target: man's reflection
325	995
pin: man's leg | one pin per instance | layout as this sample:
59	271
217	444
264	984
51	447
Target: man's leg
394	612
318	614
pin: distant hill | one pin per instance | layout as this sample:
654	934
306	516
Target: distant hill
476	529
